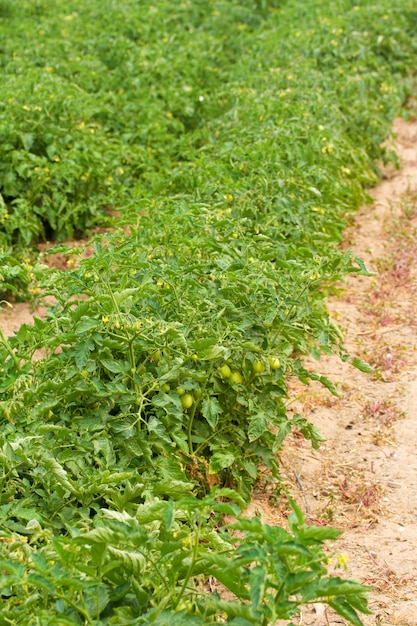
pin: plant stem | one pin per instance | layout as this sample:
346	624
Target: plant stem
191	566
75	606
192	415
6	344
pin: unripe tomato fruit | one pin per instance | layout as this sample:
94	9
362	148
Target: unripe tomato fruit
236	377
156	356
180	391
187	400
258	367
274	363
166	387
225	371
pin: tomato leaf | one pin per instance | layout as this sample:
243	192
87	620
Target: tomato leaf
363	366
211	409
116	367
221	460
258	424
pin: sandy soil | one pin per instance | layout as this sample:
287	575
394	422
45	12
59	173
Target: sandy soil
364	478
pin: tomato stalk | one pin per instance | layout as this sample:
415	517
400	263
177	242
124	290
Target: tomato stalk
9	349
290	311
193	412
192	562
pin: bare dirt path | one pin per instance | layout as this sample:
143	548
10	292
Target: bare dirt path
364	478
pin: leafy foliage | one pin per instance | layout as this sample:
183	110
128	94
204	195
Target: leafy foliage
230	141
159	101
137	569
126	339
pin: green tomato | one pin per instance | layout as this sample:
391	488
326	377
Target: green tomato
166	387
180	391
187	400
274	363
236	377
258	367
225	371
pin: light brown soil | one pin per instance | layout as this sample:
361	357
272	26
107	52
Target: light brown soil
364	478
12	316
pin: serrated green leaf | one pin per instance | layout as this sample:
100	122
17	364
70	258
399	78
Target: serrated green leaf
133	560
232	609
156	426
258	424
44	407
329	384
336	586
172	618
121	296
56	471
87	325
25	513
226	571
345	610
359	601
251	468
363	268
82	352
257	581
221	460
116	367
168	514
98	552
292	548
173	488
201	345
315	353
363	366
211	409
319	533
96	599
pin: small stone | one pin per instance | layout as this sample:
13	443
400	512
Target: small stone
393	485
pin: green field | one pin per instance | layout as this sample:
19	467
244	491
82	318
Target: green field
225	146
